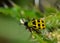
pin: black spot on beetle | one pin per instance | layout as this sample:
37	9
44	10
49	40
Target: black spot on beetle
34	26
39	25
42	21
42	24
38	20
34	23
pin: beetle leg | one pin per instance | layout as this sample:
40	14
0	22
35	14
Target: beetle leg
30	29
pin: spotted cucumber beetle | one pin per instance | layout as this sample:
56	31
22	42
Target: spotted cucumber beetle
35	25
38	26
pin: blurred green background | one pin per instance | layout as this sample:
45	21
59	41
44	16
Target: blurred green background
11	31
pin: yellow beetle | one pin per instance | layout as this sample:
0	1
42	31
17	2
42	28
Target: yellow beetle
35	25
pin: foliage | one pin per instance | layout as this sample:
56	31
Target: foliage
52	20
18	12
52	25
